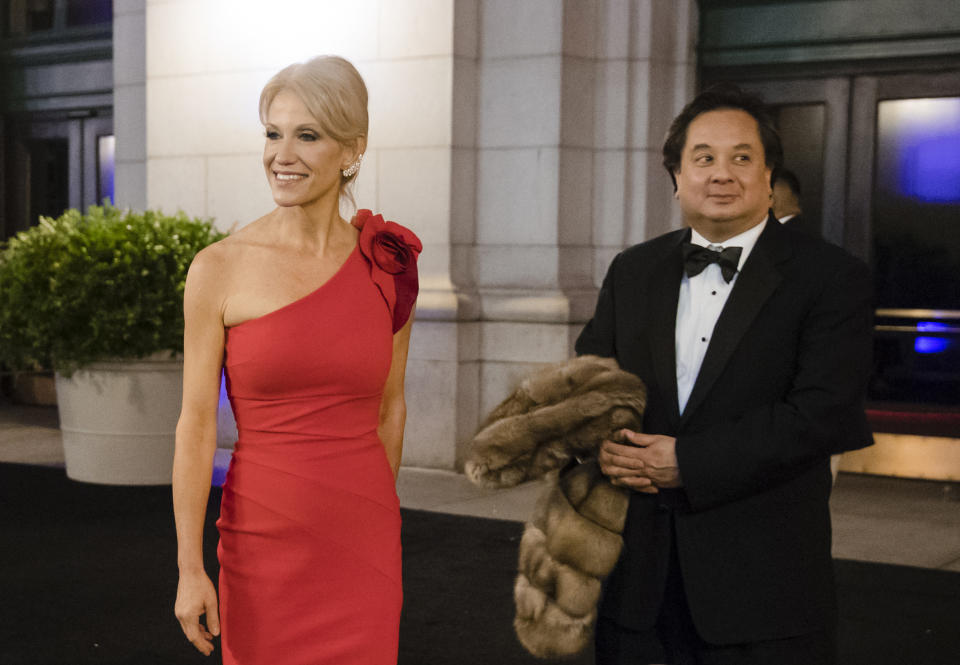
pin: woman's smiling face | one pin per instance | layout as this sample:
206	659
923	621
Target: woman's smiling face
302	163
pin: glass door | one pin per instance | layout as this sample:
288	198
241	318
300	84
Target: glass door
51	164
904	183
98	160
811	116
878	157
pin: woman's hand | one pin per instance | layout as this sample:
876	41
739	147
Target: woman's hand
195	597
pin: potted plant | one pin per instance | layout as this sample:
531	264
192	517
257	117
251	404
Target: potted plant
98	298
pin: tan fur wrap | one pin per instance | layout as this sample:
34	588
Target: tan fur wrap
573	539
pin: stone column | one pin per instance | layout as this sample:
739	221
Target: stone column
130	103
572	102
426	182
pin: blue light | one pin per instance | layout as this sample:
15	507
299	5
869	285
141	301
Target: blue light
919	142
930	168
219	475
930	344
932	326
225	399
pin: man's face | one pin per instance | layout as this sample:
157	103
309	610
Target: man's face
723	183
784	200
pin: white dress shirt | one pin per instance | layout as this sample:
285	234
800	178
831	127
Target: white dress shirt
702	298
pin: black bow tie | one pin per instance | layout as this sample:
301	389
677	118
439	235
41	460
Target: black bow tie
696	258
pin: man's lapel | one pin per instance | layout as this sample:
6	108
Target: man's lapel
664	292
756	282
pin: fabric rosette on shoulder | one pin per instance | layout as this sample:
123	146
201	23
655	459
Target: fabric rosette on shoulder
391	251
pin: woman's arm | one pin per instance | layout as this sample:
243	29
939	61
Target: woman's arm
196	443
393	407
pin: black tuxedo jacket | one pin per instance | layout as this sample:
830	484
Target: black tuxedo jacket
800	223
781	388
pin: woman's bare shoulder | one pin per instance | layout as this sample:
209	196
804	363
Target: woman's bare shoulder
210	260
213	265
217	258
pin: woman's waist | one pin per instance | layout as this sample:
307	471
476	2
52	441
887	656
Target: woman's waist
300	446
351	468
306	419
308	434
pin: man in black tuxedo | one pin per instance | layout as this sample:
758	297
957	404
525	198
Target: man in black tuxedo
786	198
754	343
786	205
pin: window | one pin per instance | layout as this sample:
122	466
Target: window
105	168
916	250
89	12
28	16
916	204
20	18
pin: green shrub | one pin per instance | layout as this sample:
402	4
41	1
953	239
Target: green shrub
104	285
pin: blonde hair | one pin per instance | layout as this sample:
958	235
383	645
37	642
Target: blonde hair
334	92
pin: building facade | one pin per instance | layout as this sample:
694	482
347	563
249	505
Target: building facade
519	138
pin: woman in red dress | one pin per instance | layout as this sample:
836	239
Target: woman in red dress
309	318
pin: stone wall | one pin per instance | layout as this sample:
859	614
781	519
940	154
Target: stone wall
568	103
130	103
520	140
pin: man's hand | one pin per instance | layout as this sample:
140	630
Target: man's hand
659	456
645	466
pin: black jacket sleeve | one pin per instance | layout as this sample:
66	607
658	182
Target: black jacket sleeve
598	336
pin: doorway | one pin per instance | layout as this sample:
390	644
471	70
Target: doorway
53	163
878	158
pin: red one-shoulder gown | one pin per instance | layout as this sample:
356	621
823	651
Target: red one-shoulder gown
309	521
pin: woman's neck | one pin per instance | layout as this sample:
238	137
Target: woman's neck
313	227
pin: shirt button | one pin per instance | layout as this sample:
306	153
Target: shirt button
713	293
703	339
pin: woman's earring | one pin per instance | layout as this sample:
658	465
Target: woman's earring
348	172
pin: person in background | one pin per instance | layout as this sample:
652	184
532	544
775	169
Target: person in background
309	318
786	198
754	343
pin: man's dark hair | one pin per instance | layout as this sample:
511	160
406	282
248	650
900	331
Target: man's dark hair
789	178
717	97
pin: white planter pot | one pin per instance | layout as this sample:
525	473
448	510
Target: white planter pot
119	419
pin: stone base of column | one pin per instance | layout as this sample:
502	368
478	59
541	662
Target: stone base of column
460	368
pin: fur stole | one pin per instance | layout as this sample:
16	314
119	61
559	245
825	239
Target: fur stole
555	418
